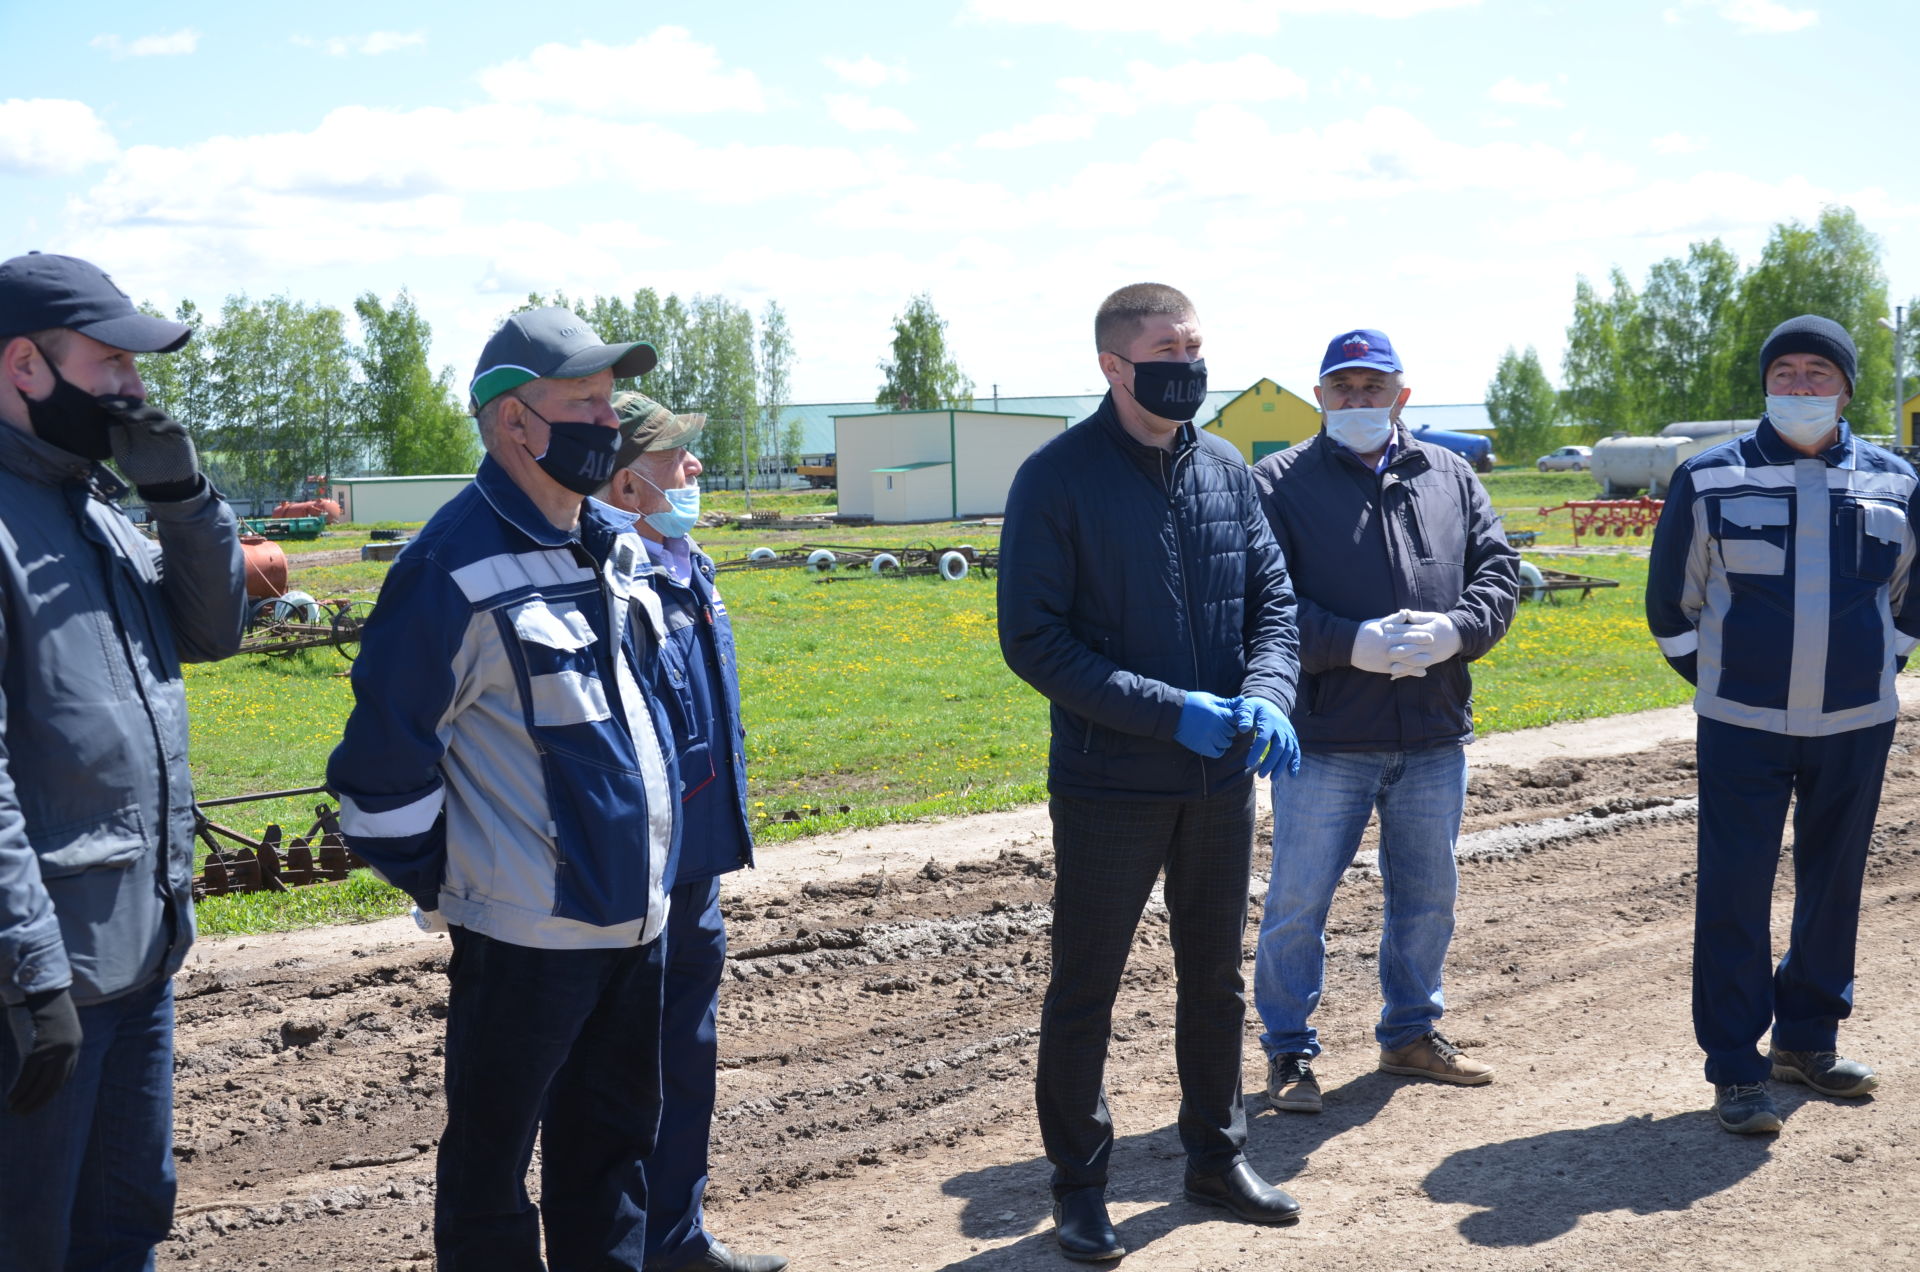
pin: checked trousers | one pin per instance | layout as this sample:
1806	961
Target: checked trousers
1107	855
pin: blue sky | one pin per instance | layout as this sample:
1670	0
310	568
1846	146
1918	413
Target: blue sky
1441	169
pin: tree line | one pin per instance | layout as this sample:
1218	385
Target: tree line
1686	344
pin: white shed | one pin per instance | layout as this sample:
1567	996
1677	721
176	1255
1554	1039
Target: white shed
933	465
365	500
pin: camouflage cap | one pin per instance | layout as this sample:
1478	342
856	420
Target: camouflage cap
645	425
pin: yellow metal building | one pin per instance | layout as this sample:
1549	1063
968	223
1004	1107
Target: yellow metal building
1909	422
1264	419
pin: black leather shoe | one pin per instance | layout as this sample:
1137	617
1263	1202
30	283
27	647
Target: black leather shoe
1081	1225
720	1259
1243	1194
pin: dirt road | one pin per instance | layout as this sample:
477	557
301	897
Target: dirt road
878	1031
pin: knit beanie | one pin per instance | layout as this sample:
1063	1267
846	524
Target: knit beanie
1810	333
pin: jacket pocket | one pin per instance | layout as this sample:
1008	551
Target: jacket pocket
1871	537
563	683
1752	533
104	841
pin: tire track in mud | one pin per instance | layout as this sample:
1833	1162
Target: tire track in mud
875	1022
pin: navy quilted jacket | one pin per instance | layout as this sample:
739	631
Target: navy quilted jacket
1130	575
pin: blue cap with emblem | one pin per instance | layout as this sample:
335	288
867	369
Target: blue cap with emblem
1360	347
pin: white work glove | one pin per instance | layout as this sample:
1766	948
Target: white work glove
1372	643
1419	640
429	920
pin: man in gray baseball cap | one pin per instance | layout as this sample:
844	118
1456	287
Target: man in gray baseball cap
97	840
505	766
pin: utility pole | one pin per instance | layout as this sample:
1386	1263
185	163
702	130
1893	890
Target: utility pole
1897	327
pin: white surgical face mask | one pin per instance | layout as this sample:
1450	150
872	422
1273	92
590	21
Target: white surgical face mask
1802	420
1363	429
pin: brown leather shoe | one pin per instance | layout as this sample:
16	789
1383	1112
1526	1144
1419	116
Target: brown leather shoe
1431	1056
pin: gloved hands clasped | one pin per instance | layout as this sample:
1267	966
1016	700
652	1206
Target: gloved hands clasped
1405	643
46	1037
1209	725
152	450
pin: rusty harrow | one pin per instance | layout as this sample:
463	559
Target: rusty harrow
282	624
1616	517
270	863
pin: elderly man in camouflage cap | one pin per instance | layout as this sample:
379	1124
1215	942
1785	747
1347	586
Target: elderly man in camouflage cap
657	478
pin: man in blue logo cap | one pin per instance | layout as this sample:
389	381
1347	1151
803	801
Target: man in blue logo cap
96	800
1783	586
505	766
1404	577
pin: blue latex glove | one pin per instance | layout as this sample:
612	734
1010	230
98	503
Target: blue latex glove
1206	724
1274	741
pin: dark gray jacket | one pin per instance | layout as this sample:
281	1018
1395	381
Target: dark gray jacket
96	804
1128	576
1421	535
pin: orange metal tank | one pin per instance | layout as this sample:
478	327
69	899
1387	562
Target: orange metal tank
266	566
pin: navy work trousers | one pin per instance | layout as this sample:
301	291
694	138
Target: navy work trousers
689	1052
565	1043
1746	778
1107	854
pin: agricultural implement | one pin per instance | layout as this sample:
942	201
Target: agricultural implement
1537	583
271	863
1616	517
285	527
295	621
950	563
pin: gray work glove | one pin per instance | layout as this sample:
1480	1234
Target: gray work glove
152	450
46	1037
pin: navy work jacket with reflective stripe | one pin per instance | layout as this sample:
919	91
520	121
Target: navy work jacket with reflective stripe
1784	582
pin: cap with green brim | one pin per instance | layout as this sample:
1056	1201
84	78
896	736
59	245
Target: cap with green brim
645	425
551	344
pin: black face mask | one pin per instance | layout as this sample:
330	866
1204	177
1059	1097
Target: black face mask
1170	390
579	453
71	418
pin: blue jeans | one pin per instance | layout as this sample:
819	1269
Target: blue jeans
86	1180
565	1043
676	1171
1318	818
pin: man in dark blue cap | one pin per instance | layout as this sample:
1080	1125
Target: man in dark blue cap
1404	577
505	767
96	801
1783	587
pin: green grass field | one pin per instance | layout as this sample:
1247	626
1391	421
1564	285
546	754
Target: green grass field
883	696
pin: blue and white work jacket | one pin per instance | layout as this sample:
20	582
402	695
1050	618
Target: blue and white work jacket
1789	578
502	762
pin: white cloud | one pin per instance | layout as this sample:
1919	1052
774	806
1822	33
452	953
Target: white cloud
866	71
371	44
183	41
1196	17
856	114
1513	92
1038	131
666	73
1677	143
47	135
1703	205
1251	77
1755	17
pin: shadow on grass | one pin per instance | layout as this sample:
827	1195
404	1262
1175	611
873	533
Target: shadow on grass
1534	1189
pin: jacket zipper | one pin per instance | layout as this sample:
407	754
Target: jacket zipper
1172	478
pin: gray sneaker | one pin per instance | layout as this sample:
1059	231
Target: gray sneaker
1291	1084
1824	1071
1745	1108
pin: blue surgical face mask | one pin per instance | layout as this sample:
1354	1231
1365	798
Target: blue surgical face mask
1802	420
683	509
1361	429
579	453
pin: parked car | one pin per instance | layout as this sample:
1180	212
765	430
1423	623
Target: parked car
1567	459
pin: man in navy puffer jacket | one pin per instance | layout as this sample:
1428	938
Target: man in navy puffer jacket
1142	592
